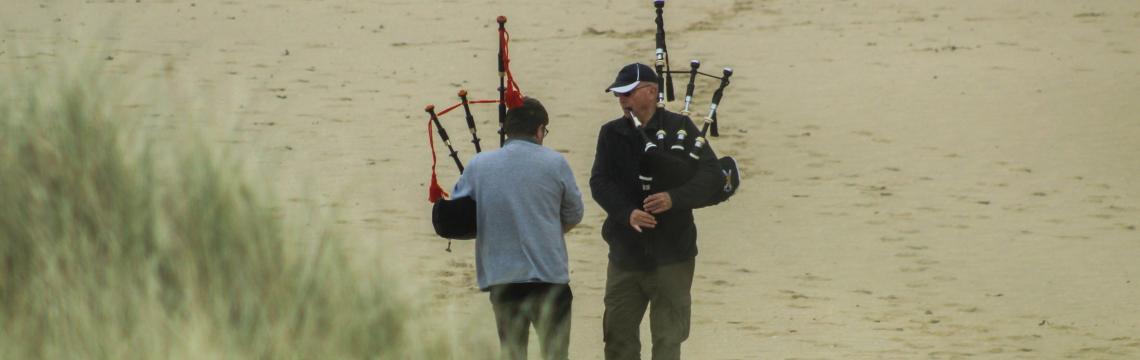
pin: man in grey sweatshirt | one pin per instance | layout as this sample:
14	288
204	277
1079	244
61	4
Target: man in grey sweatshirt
526	200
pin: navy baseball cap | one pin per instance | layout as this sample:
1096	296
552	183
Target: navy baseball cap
630	75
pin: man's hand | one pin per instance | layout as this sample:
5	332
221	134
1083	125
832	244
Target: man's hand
658	203
640	219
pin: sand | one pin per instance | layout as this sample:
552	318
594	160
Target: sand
922	179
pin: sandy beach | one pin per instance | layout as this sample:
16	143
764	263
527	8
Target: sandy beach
921	179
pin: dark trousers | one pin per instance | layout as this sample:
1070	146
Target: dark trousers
666	291
545	305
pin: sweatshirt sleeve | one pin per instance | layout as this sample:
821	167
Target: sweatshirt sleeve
572	208
465	186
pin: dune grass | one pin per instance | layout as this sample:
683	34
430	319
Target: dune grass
116	245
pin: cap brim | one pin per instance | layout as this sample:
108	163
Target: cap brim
622	89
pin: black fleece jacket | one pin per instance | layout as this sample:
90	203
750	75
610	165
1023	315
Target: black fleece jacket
615	186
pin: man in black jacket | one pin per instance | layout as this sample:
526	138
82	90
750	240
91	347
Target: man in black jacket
651	237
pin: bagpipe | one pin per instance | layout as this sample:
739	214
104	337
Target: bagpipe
455	218
663	169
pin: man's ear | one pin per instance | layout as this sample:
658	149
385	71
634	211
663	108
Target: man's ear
538	132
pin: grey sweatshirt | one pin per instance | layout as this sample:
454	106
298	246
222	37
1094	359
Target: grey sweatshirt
524	193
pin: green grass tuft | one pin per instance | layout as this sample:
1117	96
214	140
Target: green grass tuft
116	245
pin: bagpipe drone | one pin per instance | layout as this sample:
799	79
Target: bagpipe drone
663	169
455	218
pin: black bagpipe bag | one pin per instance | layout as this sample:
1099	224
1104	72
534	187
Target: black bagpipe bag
454	218
671	169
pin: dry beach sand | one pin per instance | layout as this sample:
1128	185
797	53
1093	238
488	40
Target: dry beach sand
933	179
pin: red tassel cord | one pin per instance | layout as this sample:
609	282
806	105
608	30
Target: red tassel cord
514	97
435	192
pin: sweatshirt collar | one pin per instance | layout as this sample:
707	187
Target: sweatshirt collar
522	139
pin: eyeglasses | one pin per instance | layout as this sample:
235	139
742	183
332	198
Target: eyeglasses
545	131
